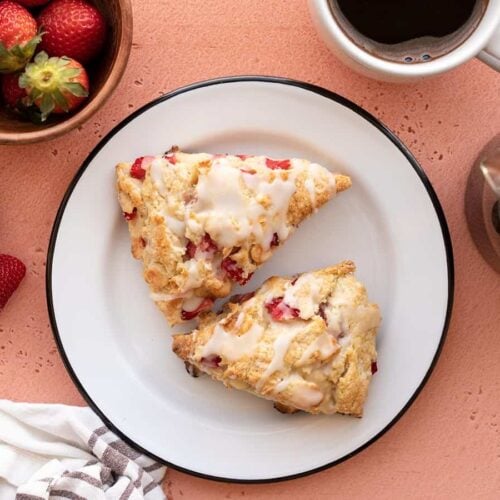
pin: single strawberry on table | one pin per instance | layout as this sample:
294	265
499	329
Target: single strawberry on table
72	28
18	36
12	271
54	84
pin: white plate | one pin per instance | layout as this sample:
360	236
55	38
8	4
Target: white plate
116	344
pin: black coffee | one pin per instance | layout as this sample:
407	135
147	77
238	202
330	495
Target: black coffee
396	21
408	30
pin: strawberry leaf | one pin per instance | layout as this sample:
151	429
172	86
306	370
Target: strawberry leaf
17	51
77	89
60	61
46	106
70	73
35	94
31	45
16	57
41	57
24	81
60	100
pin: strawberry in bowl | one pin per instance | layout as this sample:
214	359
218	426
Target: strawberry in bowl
82	48
54	84
32	3
13	96
18	36
72	28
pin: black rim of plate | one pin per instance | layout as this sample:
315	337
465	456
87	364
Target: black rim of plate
273	80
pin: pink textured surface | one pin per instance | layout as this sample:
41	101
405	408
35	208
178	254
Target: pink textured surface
448	444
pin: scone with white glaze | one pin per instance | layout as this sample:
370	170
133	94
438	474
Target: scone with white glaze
202	222
306	343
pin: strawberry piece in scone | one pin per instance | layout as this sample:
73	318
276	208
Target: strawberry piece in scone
306	343
202	223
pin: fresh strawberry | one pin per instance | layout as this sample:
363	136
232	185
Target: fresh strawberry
32	3
18	36
72	28
278	164
12	271
55	84
12	94
280	311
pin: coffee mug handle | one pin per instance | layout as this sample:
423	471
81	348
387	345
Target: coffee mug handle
491	53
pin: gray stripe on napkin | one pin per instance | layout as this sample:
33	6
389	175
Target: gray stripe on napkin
115	460
106	475
100	431
116	467
138	481
150	486
124	449
84	477
66	494
153	467
128	491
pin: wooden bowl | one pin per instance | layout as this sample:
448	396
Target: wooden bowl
104	73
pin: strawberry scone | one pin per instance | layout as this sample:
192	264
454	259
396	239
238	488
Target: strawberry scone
306	343
201	223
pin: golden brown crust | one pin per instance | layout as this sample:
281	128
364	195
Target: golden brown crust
306	343
179	210
182	345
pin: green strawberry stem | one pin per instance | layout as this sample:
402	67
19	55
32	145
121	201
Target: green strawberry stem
49	80
16	57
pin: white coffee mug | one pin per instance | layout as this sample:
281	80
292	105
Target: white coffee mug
484	43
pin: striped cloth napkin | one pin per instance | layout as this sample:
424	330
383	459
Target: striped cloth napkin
65	452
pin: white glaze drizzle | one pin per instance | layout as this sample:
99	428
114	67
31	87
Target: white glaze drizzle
178	227
304	295
283	384
342	298
302	394
285	336
192	303
239	320
156	172
227	213
194	278
325	344
311	189
305	395
230	215
231	346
